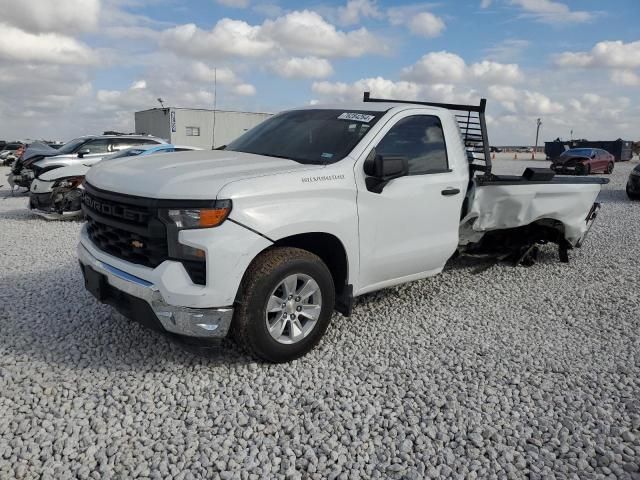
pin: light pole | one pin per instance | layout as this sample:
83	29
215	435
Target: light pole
215	98
535	149
538	124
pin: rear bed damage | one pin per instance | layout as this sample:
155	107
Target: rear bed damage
509	216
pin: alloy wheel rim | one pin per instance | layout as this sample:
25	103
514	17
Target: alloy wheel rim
293	308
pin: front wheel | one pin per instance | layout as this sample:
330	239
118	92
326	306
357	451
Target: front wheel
610	168
284	305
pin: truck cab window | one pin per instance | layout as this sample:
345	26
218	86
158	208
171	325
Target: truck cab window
420	139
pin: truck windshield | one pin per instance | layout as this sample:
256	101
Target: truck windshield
308	136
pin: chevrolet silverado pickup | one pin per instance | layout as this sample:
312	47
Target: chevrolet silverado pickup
265	238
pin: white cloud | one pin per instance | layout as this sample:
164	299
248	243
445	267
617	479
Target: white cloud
21	46
437	67
550	11
494	72
608	54
419	22
626	78
426	24
378	86
299	32
139	84
354	10
384	88
303	67
60	16
306	32
244	89
234	3
536	103
485	3
451	68
227	38
201	72
507	50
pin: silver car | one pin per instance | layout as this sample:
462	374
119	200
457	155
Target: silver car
83	150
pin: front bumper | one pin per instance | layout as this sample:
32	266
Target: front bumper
140	300
566	170
42	204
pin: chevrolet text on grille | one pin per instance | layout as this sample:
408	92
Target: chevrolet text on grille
114	210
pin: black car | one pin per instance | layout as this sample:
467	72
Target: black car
633	184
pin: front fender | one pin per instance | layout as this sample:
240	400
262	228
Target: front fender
320	201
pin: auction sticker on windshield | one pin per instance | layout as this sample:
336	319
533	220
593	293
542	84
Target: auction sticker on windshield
357	117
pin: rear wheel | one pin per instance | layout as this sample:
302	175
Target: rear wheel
285	304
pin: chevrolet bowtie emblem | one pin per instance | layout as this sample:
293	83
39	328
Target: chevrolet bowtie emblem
137	244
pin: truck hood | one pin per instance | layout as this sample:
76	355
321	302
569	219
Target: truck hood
196	175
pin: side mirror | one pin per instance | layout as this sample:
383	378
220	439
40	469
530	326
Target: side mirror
83	152
382	169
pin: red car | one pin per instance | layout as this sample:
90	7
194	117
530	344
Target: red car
583	161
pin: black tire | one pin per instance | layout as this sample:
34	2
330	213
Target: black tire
609	168
265	273
631	195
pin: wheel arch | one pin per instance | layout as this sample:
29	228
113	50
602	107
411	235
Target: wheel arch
333	253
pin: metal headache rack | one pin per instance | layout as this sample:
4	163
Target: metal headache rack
473	128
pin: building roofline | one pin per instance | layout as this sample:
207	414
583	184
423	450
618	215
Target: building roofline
202	110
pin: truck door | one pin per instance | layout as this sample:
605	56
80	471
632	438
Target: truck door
410	228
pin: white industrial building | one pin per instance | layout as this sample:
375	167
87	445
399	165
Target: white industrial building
195	126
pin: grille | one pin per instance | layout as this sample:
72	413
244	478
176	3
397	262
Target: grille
129	228
127	245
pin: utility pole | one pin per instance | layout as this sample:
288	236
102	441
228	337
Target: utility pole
215	97
538	125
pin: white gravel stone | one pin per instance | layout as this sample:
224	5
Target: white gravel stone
477	373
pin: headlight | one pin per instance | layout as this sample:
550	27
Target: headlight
192	218
635	173
70	182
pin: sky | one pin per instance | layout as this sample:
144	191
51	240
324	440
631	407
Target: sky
76	67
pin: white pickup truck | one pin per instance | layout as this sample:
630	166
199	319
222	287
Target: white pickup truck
266	237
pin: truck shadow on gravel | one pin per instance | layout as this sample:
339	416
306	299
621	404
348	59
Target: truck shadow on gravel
614	196
50	317
23	214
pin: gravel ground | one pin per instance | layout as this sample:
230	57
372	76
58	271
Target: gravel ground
478	373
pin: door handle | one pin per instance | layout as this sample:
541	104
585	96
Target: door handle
450	191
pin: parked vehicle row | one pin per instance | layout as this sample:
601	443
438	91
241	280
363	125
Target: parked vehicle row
40	157
56	193
10	153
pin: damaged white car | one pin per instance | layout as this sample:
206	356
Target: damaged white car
56	194
313	207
